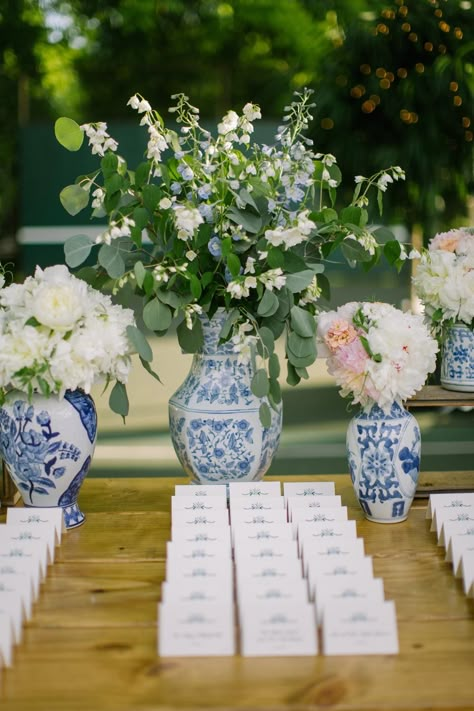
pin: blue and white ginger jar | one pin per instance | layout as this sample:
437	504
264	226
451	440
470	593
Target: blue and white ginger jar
457	359
214	417
383	451
47	445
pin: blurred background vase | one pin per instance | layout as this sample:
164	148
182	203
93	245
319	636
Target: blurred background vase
47	445
214	416
457	359
383	452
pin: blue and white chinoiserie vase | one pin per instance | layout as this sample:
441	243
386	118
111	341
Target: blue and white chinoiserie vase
214	417
383	451
47	445
457	359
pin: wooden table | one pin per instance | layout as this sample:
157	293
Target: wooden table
92	641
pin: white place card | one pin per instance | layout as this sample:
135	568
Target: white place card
308	489
218	517
197	590
457	546
195	630
271	533
251	571
24	532
26	570
275	628
328	571
204	550
38	516
256	504
357	589
467	572
448	513
201	490
197	505
6	638
266	551
34	550
284	590
201	534
459	499
331	514
336	531
217	569
20	583
252	490
464	529
312	502
359	628
343	549
257	518
13	604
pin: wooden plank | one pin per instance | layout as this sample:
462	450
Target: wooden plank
436	396
92	641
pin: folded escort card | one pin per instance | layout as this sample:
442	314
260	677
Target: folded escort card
455	500
250	572
450	513
6	638
326	572
26	532
201	533
252	490
467	572
312	503
257	504
201	491
317	515
457	546
197	505
336	531
196	629
26	568
197	590
219	569
190	519
246	535
463	529
34	550
277	628
38	517
12	603
257	518
308	489
265	550
20	580
198	550
349	589
359	628
294	590
343	550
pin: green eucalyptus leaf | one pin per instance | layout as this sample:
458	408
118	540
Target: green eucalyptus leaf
141	174
276	326
352	215
190	340
294	263
354	252
233	263
303	373
110	258
151	197
392	251
113	184
274	366
149	369
232	317
269	304
118	400
299	281
140	273
140	343
77	249
302	322
267	339
248	220
68	133
148	283
292	377
74	199
265	415
140	216
275	258
157	316
285	302
109	164
301	347
169	297
247	198
260	384
275	391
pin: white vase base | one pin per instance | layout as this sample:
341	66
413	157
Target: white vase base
384	520
458	388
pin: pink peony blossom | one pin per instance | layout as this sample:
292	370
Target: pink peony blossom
339	334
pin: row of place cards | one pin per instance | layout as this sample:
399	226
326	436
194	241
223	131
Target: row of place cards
452	518
28	543
287	571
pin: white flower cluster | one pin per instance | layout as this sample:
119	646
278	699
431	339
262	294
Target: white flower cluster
57	334
99	139
376	353
444	279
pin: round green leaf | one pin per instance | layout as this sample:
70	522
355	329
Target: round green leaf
157	316
110	258
260	385
269	304
302	322
118	399
265	415
140	343
77	249
299	281
68	133
301	347
274	366
74	199
190	339
267	339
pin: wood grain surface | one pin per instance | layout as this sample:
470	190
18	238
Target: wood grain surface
92	642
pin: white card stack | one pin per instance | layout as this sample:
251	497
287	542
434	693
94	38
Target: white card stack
297	564
27	546
452	518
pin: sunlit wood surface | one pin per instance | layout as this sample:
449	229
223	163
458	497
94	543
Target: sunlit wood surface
92	641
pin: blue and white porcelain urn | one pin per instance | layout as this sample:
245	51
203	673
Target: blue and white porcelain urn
457	359
383	451
214	417
47	445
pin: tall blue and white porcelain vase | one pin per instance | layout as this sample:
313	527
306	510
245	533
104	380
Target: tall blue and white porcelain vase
214	417
47	445
383	451
457	359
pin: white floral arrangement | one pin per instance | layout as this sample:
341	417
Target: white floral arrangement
376	353
57	333
444	278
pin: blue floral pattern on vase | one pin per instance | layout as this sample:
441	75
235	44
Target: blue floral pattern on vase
457	359
383	451
47	447
214	417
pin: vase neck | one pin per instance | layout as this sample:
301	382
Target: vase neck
211	330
